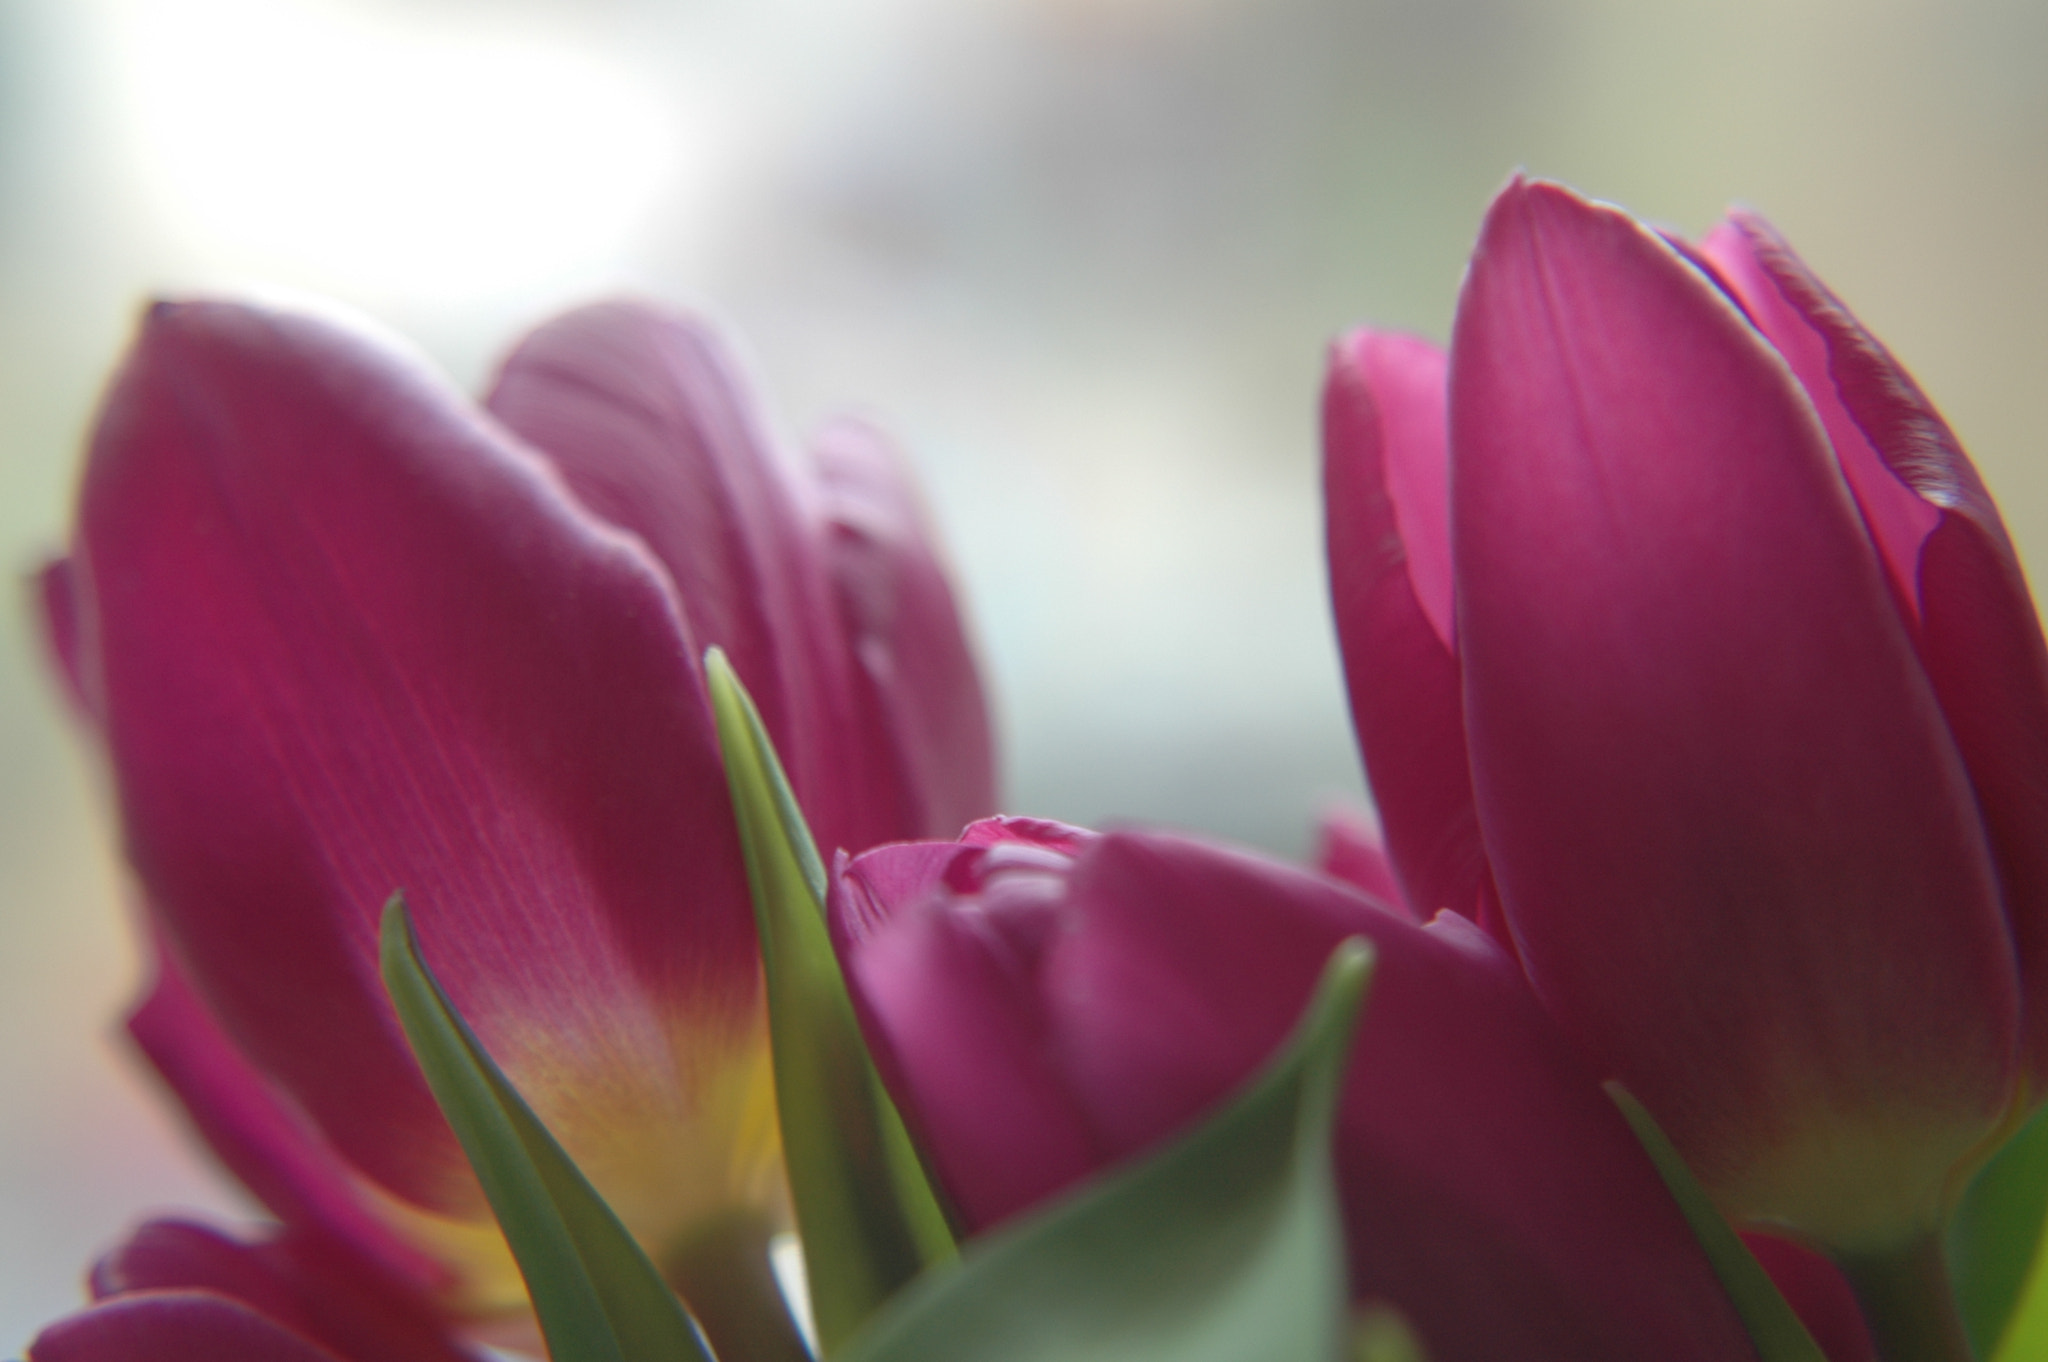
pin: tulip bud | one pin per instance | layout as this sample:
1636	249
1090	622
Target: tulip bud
1726	675
1042	1002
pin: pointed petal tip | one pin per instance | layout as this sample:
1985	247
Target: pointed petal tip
1346	349
1529	204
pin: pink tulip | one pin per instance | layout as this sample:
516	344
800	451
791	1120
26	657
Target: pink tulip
1688	653
344	633
177	1290
1043	1001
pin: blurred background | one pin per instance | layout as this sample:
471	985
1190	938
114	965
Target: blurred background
1082	256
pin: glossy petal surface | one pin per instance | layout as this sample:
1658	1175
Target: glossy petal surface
1734	841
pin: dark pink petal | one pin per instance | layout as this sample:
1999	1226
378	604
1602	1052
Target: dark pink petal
352	639
949	1002
647	418
1349	848
255	1132
1491	1190
1733	839
1899	521
1117	992
916	690
1981	641
1819	1295
176	1326
1384	485
1980	637
298	1281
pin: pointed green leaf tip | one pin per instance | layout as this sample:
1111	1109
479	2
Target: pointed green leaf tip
1223	1245
1776	1330
596	1295
864	1208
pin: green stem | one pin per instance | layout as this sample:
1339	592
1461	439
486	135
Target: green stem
722	1271
1908	1303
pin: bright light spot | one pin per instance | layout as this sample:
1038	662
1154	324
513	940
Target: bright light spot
786	1258
296	137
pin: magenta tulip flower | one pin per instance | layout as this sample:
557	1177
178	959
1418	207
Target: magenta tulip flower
1043	1001
1688	654
178	1291
344	633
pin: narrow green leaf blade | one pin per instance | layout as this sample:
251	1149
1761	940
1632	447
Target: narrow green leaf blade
1224	1245
597	1296
1776	1329
1996	1233
867	1215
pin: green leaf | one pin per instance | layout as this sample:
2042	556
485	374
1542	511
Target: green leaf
867	1214
1995	1234
2026	1335
1777	1331
1224	1245
597	1296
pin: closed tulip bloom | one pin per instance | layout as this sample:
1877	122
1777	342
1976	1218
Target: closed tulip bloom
344	633
1688	653
1044	1002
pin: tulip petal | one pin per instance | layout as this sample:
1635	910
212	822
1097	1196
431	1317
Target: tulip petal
352	639
1734	842
949	1004
918	693
174	1326
297	1281
1815	1288
1980	637
1385	486
1491	1191
1899	521
271	1149
1493	1194
1779	1332
646	416
1349	848
1225	1241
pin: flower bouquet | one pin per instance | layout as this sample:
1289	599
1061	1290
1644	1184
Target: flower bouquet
547	818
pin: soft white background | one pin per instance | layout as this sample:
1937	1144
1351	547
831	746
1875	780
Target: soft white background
1081	254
